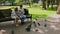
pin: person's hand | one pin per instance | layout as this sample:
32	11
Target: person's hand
58	12
19	13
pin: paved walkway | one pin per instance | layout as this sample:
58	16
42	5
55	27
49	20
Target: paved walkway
52	27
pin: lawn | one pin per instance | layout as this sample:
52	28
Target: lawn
37	12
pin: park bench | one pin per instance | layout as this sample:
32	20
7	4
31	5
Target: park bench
5	15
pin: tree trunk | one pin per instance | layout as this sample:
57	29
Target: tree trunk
44	4
52	4
29	2
48	2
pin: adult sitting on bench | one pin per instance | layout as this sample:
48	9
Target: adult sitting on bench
21	13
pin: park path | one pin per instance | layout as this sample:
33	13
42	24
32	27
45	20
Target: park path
52	27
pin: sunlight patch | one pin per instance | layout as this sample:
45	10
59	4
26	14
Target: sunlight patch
39	30
54	27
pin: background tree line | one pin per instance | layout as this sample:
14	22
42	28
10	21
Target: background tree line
45	3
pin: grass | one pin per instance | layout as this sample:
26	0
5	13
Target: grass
52	9
37	12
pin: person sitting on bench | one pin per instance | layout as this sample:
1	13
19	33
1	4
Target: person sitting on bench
21	13
18	13
14	16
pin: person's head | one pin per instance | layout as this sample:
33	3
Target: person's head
21	6
16	9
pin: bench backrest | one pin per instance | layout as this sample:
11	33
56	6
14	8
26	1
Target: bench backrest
5	13
26	12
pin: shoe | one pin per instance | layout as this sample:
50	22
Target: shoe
22	23
17	25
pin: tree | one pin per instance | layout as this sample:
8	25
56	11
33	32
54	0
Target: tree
52	3
2	1
11	1
30	2
35	1
48	3
44	4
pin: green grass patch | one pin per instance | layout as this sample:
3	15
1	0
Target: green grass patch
52	9
38	16
38	12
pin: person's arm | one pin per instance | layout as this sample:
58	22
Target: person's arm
23	12
19	13
13	13
58	10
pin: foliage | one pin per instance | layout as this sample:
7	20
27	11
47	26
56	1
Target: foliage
2	1
35	1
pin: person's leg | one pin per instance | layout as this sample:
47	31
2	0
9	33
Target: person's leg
22	19
16	22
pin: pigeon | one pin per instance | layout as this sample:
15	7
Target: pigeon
28	27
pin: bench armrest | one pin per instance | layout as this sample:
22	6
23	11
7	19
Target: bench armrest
29	16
